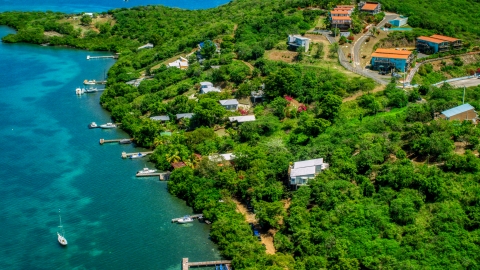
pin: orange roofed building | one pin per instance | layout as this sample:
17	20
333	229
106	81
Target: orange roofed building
437	43
388	59
370	7
340	16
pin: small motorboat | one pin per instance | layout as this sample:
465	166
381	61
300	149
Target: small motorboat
185	219
125	141
90	90
146	171
79	91
139	155
92	125
91	82
108	125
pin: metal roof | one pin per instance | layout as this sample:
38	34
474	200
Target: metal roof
160	118
228	102
430	39
241	119
184	115
206	83
302	172
451	39
308	163
457	110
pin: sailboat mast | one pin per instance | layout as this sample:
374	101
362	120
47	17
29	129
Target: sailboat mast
60	218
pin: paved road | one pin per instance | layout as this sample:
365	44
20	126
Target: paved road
357	47
466	82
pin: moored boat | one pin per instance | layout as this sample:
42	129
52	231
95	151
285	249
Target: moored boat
89	82
125	141
61	237
185	219
108	125
79	91
146	171
139	155
92	125
91	90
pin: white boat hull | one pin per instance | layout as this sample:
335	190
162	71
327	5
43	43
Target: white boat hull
62	240
185	220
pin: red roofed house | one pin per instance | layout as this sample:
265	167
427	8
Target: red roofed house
370	7
388	59
437	43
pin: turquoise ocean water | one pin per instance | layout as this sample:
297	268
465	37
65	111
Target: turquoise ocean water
75	6
51	160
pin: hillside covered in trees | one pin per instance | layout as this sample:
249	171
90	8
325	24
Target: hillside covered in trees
402	191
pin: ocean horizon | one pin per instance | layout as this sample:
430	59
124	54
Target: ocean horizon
77	6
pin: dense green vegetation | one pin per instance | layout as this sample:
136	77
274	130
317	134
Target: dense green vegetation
402	190
451	18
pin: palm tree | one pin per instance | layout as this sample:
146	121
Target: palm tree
173	158
373	30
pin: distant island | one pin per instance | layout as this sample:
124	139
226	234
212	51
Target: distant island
311	134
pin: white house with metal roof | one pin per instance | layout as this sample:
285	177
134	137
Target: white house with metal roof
221	157
461	113
184	115
229	104
207	87
160	118
241	119
301	171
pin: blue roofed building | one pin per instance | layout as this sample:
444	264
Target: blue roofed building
463	112
390	59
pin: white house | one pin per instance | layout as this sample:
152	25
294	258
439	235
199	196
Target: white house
241	119
146	46
160	118
221	157
229	104
207	87
298	41
301	171
181	63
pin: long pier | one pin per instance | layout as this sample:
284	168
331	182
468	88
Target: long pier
198	216
102	57
161	176
102	141
127	155
186	264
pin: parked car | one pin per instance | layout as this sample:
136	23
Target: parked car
255	231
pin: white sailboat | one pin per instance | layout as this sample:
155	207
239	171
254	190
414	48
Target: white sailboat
61	237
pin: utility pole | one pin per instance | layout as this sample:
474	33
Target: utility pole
463	102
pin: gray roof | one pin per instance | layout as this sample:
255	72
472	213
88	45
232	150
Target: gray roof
225	102
241	119
160	118
206	84
184	115
345	34
457	110
308	163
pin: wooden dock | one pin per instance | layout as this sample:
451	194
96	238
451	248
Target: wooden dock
161	176
102	57
127	155
186	264
199	216
102	141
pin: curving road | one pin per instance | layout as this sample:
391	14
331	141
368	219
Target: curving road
357	47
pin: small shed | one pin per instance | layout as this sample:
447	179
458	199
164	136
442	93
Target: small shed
229	104
257	95
160	118
463	112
